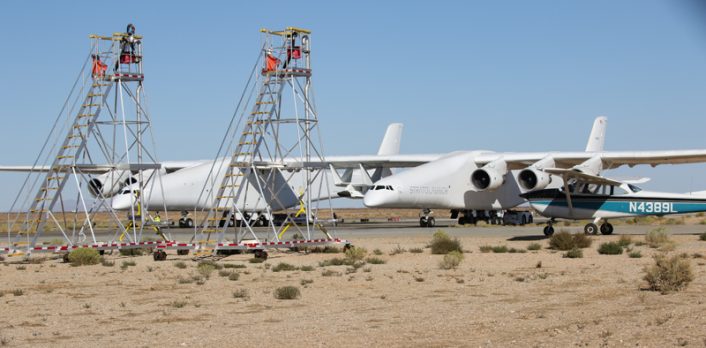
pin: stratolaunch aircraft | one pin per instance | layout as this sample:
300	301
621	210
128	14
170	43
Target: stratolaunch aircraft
471	183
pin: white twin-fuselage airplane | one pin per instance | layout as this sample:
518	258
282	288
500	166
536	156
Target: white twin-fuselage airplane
475	182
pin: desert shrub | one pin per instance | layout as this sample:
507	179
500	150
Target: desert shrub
282	266
574	253
518	251
234	276
241	293
330	273
625	241
325	250
287	293
377	252
499	249
336	261
375	261
233	265
84	256
178	304
451	260
398	250
107	263
566	241
127	264
610	248
224	273
18	292
668	274
416	250
534	246
657	237
635	254
211	263
180	265
133	252
307	268
205	269
305	282
356	253
702	236
441	243
256	260
485	248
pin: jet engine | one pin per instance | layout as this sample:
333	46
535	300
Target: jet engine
110	183
533	179
490	176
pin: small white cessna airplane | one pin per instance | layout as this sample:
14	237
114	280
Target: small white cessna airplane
593	197
474	182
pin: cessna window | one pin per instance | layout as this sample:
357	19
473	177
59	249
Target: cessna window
619	190
634	188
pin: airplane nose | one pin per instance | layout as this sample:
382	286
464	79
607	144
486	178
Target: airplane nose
122	202
375	199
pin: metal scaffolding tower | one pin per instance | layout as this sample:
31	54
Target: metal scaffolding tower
96	149
271	158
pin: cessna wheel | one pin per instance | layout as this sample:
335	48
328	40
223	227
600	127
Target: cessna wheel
431	222
189	223
607	229
423	222
548	231
590	229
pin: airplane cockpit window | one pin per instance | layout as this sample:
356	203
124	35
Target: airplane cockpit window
619	190
634	188
382	187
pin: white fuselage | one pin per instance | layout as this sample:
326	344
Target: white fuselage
187	189
443	183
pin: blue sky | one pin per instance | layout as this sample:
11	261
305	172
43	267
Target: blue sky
497	75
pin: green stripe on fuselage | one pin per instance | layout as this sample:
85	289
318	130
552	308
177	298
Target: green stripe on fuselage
641	207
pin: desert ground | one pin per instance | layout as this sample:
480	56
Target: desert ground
535	298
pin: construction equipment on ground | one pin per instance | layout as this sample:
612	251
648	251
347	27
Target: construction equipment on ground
100	143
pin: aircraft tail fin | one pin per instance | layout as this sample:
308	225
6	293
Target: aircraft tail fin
596	140
391	142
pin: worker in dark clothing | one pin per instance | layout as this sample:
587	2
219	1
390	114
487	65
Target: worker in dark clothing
127	47
293	51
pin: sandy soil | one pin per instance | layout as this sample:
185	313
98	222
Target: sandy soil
490	300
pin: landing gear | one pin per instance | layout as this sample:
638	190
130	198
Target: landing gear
590	228
182	252
548	230
425	218
606	229
427	221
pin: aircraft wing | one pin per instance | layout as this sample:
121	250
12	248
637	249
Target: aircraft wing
610	159
84	168
344	162
583	177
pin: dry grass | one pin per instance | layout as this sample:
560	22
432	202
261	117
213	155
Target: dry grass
566	241
451	260
668	274
441	243
287	293
84	256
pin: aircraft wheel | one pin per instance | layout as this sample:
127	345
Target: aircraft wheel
423	222
159	255
183	252
548	231
606	229
590	228
461	220
261	254
431	222
189	223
